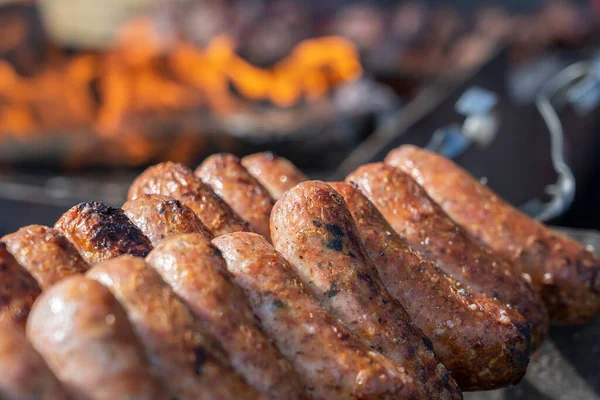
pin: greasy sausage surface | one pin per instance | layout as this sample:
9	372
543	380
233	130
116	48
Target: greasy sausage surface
426	228
24	375
100	232
45	253
313	229
470	332
179	182
328	358
234	184
160	217
82	332
193	267
562	270
276	174
18	289
191	364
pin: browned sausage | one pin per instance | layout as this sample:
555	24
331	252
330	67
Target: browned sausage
234	184
82	332
193	267
100	232
160	217
426	228
18	289
276	174
45	253
563	271
326	355
24	375
178	181
470	332
191	364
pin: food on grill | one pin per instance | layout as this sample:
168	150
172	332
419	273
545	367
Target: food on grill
194	269
159	217
100	232
45	253
234	184
564	272
326	355
24	375
82	332
191	364
427	229
468	330
178	181
18	289
275	173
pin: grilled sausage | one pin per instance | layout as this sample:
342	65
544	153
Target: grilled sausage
196	272
100	232
18	289
426	228
564	272
326	355
45	253
160	217
275	173
314	231
24	375
82	332
471	333
191	364
234	184
178	181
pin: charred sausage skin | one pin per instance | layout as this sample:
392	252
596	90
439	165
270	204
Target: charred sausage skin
276	174
470	331
82	332
45	253
179	182
562	270
195	270
313	228
191	364
159	217
100	232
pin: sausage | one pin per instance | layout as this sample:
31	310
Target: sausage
45	253
234	184
194	269
313	229
427	229
159	217
18	289
24	375
177	181
563	271
276	174
82	332
327	356
470	332
100	232
191	364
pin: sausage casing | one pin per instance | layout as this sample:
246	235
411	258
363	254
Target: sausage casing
470	332
562	270
191	364
276	174
178	181
82	332
45	253
160	217
193	267
100	232
313	229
